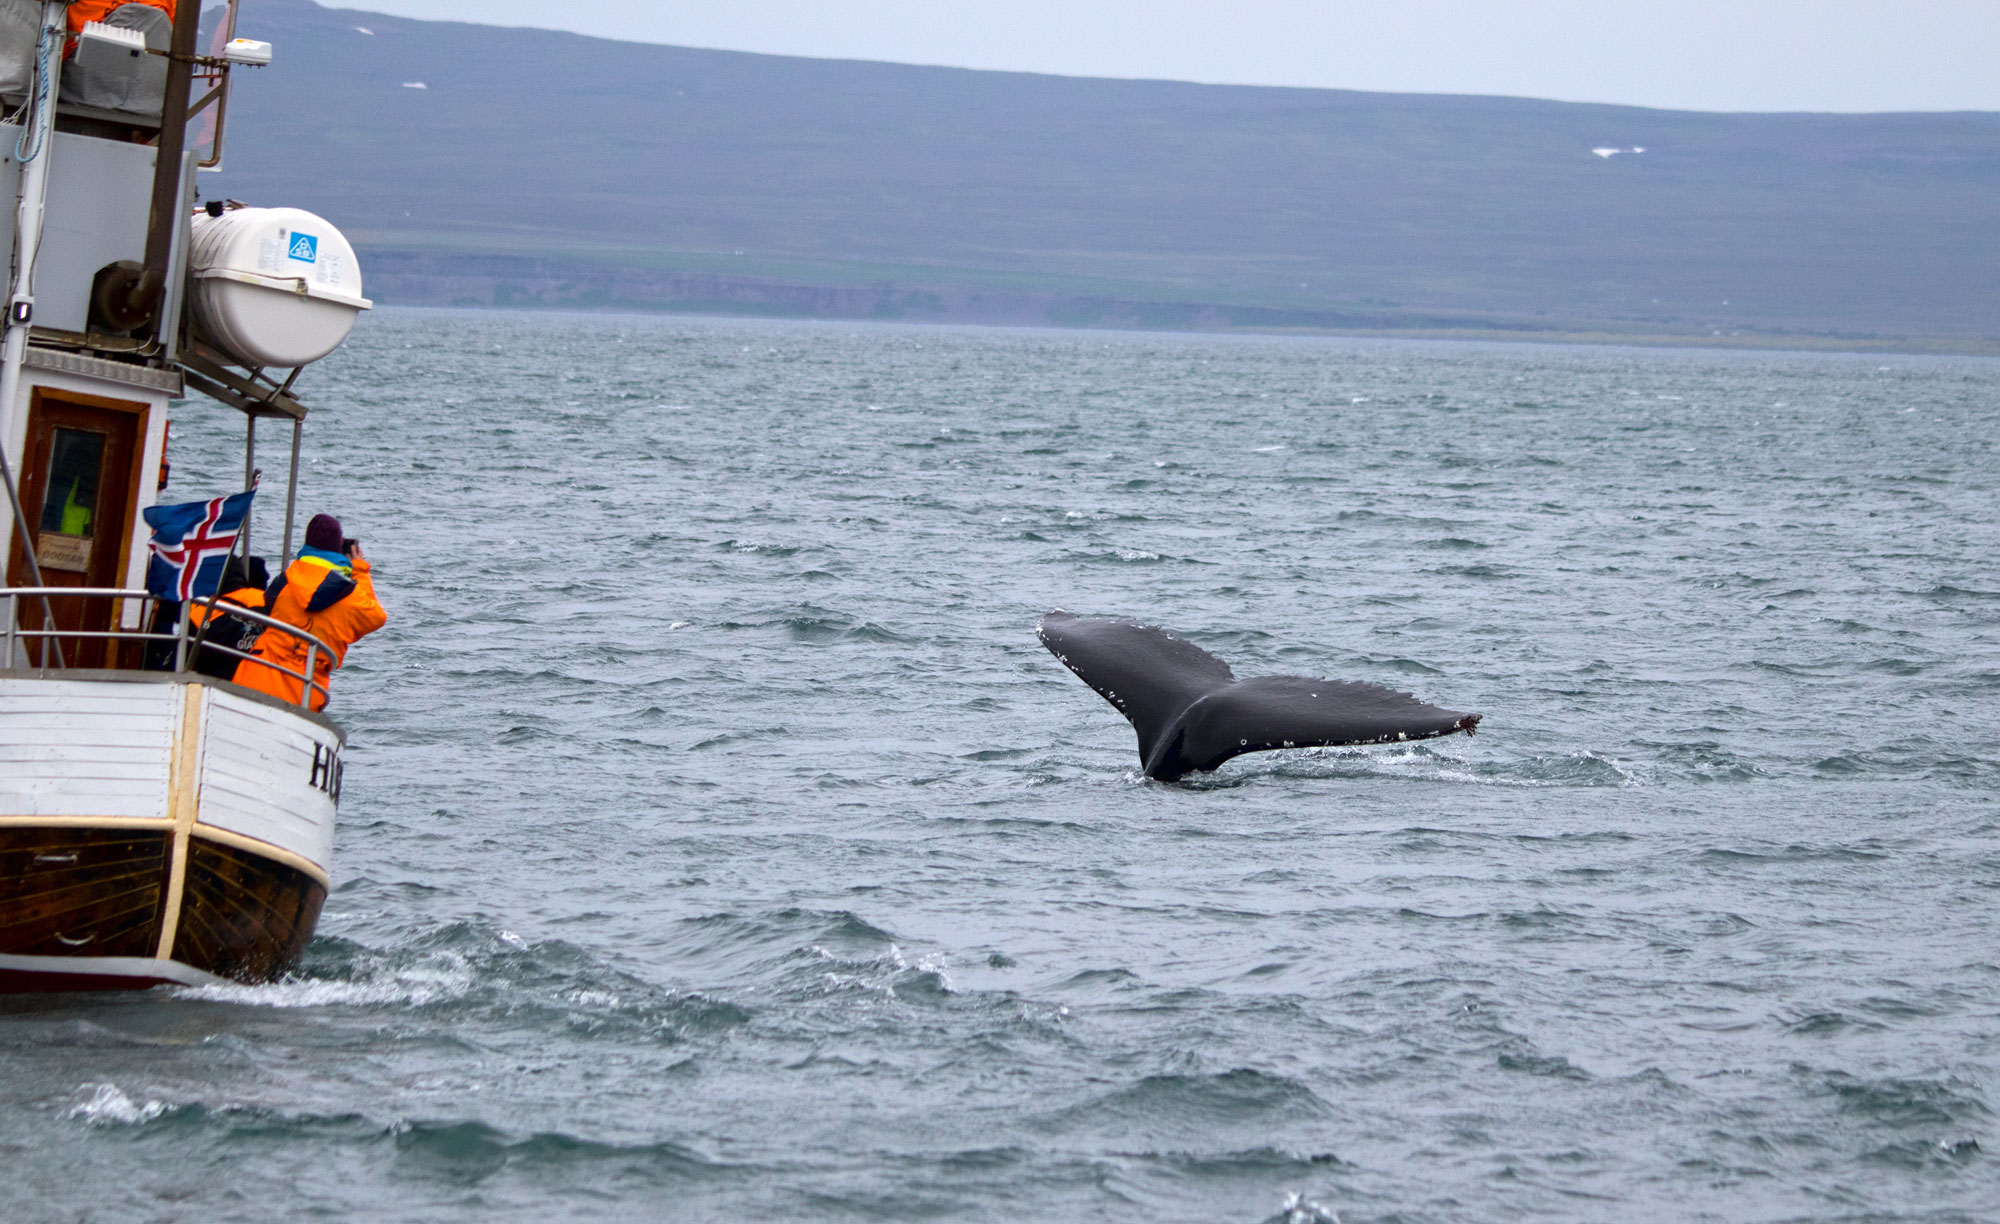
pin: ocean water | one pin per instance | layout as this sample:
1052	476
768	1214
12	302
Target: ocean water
718	843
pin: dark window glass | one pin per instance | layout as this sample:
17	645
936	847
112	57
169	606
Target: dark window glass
69	499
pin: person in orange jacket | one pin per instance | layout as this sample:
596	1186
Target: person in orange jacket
328	593
85	11
243	584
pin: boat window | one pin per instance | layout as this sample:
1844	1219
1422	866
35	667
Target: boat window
69	497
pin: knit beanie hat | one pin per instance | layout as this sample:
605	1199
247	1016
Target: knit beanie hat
323	533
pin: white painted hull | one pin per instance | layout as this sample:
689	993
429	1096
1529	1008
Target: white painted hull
43	974
100	771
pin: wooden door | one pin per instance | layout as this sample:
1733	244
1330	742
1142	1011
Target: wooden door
79	489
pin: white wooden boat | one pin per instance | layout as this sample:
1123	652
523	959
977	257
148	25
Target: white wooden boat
157	824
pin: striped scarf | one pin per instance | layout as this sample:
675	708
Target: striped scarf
332	560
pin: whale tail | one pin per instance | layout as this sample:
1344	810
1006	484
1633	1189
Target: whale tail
1192	713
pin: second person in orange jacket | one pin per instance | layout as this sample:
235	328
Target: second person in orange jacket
243	586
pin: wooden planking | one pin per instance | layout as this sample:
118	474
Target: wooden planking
244	916
257	776
73	718
93	698
264	849
118	757
85	748
80	891
61	720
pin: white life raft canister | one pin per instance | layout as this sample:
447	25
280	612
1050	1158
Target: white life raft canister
272	287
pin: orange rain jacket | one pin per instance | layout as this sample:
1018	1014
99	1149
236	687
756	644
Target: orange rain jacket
231	631
244	597
82	11
321	598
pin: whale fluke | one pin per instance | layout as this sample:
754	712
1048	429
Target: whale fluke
1192	713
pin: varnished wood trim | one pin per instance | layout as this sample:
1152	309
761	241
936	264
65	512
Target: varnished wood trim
81	891
248	917
63	395
182	793
264	849
139	892
133	520
87	822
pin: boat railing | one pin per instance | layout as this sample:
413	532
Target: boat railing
188	638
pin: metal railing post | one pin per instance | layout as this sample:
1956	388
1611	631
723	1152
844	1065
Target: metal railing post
249	476
181	638
312	674
291	491
13	610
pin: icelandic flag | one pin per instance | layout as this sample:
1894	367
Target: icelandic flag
191	544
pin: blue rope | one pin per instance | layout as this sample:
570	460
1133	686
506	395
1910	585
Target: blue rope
46	50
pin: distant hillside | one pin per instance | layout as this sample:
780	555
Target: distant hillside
494	166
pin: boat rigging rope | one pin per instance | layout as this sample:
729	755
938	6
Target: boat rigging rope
46	50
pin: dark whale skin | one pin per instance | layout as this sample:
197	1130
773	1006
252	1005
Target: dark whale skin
1192	713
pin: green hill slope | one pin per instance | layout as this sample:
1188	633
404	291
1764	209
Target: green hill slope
543	167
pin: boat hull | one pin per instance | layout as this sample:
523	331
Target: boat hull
64	974
158	829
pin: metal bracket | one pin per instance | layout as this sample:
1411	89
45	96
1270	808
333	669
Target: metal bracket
253	395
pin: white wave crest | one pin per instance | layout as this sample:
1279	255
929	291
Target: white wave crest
441	979
107	1106
1435	765
1299	1209
879	974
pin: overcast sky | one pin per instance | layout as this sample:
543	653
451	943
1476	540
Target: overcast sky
1834	55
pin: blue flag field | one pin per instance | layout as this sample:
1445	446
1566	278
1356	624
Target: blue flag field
191	545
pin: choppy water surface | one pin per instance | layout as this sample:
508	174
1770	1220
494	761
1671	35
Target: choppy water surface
719	844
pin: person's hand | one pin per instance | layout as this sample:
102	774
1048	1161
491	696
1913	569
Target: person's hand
354	552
